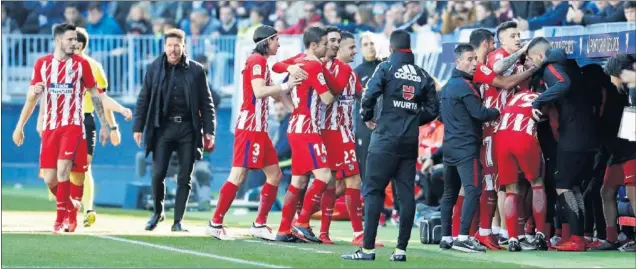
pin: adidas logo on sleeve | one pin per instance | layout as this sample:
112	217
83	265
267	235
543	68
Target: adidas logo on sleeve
408	72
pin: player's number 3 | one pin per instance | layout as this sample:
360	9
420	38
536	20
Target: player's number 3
257	149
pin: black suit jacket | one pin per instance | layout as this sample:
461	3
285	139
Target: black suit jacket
148	109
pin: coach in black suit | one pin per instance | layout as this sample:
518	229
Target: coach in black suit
174	111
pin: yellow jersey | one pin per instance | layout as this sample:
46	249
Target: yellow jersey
100	78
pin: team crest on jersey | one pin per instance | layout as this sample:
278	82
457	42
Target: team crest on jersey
350	167
408	92
323	159
254	159
498	56
321	78
485	70
256	70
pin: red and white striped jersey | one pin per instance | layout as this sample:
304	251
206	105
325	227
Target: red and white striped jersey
517	115
336	79
65	84
346	103
254	111
305	119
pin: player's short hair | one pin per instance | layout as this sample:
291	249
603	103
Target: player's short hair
261	35
62	28
313	35
618	63
71	5
176	33
505	26
538	41
82	36
479	35
346	35
331	29
629	5
461	48
400	39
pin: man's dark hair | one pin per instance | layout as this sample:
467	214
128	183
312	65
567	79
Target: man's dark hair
537	41
480	35
82	36
461	48
178	33
629	4
400	39
505	26
331	29
75	6
313	35
618	63
95	6
62	28
262	33
346	35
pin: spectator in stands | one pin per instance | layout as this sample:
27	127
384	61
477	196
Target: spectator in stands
504	12
229	25
588	8
527	9
9	25
256	19
100	23
612	12
203	60
117	9
43	15
279	12
280	25
138	20
310	16
330	12
485	15
73	16
457	14
630	11
415	16
554	16
202	24
379	12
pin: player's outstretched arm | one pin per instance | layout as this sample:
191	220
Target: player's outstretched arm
339	82
287	65
372	91
261	90
102	101
558	83
507	82
477	110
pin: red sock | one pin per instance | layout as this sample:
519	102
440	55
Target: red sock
457	216
487	205
312	197
521	214
327	203
268	196
354	206
565	231
510	212
612	234
77	192
226	197
53	190
539	209
289	209
61	196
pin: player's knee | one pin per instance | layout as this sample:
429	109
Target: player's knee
537	182
353	182
300	182
608	193
237	175
77	178
512	188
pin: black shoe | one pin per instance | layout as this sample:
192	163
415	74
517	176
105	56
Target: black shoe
445	245
539	242
286	238
502	240
470	246
305	234
153	221
398	257
178	228
514	246
359	255
525	245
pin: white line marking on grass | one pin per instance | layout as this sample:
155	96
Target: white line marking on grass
190	252
295	246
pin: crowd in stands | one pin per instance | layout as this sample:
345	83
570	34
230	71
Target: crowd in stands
232	18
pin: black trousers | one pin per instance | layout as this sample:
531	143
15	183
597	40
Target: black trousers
380	169
468	175
171	137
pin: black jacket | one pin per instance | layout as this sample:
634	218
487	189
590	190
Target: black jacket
409	100
364	72
463	114
147	112
573	100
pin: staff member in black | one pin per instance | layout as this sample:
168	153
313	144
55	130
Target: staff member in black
409	101
174	110
578	141
463	115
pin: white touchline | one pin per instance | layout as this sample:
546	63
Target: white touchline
185	251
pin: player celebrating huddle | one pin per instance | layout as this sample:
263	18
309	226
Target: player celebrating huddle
253	149
308	150
63	77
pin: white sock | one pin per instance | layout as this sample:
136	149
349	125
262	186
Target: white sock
504	233
484	232
357	234
399	252
448	239
495	229
462	237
